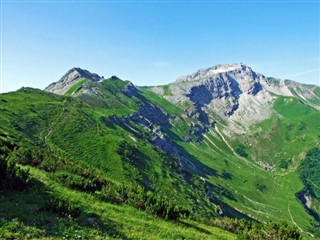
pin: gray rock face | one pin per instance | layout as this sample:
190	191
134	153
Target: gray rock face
222	90
200	95
166	145
235	94
73	76
200	126
130	90
226	82
153	114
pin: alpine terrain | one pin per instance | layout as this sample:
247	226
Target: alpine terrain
222	153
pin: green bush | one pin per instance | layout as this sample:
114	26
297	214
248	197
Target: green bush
78	182
254	230
63	207
309	172
283	164
136	196
240	149
11	176
27	156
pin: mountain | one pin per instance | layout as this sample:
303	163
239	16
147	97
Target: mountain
235	93
221	142
74	77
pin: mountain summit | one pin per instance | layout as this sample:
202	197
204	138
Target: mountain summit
234	92
209	72
72	77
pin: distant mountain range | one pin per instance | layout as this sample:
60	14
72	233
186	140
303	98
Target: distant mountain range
223	141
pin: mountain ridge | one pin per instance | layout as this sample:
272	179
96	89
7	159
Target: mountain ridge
177	150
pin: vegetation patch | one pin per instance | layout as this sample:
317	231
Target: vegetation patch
241	150
74	87
309	170
254	230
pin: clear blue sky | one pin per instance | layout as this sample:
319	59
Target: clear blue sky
152	43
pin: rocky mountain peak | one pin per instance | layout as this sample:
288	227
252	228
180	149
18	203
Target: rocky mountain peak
73	76
217	88
80	73
215	70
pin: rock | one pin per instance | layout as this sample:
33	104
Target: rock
130	90
165	145
154	114
266	166
73	76
114	77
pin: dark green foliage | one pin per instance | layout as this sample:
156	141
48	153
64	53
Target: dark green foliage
136	196
254	230
283	164
80	178
27	156
164	207
12	177
63	207
309	171
78	182
261	187
226	175
36	156
240	149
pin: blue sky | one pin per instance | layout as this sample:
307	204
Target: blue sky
152	43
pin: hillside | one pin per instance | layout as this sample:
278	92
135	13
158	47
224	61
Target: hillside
108	158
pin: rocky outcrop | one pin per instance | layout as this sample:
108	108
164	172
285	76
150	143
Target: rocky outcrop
73	76
130	90
201	123
152	113
156	122
266	166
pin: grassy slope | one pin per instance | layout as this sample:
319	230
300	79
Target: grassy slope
162	102
77	133
76	86
73	131
98	219
287	137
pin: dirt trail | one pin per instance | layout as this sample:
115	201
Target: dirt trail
230	147
292	220
52	127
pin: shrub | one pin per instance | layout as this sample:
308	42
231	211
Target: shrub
283	164
240	149
12	177
309	172
27	156
78	182
40	157
63	207
254	230
136	196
